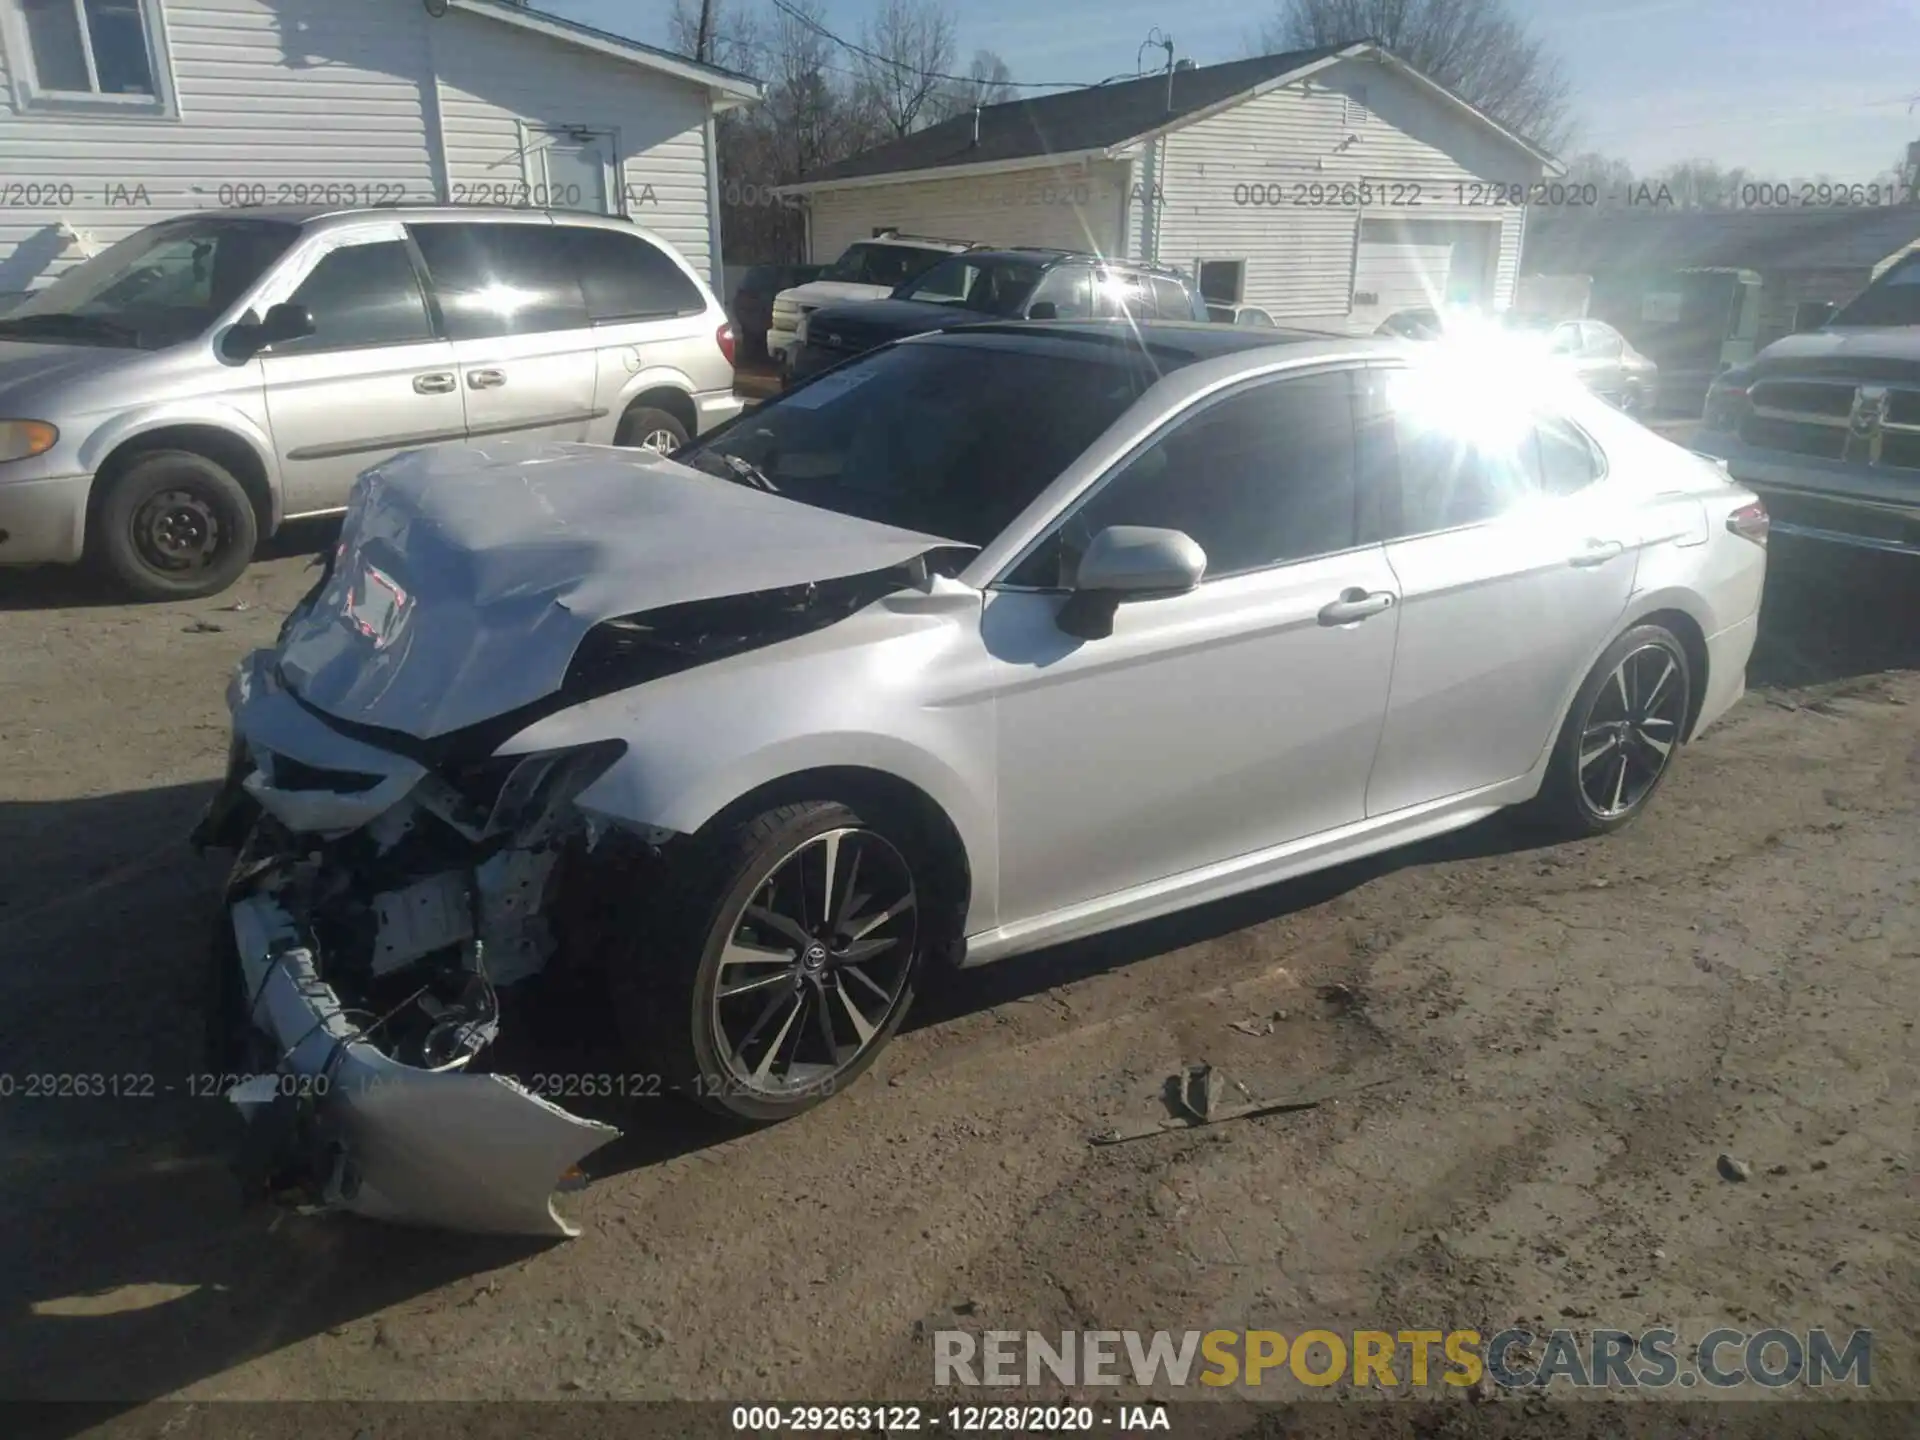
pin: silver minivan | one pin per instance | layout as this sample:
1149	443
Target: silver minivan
170	401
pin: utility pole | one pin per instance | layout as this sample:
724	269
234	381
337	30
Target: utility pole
703	40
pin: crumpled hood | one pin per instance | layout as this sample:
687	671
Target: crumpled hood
467	576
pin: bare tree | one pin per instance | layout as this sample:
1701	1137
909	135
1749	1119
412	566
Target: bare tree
906	50
989	82
1476	48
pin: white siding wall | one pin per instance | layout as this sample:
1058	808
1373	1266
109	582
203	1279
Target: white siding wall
271	92
1073	207
1353	121
494	80
284	94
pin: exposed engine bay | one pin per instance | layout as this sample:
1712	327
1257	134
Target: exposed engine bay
388	907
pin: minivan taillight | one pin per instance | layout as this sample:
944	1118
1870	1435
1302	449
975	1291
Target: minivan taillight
724	338
1750	522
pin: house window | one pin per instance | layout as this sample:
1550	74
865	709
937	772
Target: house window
99	55
1223	282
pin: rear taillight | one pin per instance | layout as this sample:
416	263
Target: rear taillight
723	337
1750	522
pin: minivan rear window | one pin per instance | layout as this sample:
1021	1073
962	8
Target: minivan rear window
626	277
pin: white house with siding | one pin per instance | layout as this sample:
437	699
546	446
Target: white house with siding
117	113
1331	187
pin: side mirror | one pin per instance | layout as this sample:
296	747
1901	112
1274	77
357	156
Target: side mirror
1128	562
1044	310
250	336
286	321
1811	315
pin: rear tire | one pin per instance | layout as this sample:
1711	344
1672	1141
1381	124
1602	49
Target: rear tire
650	429
762	980
174	525
1608	761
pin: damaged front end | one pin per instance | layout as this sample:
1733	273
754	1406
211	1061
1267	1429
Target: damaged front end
378	910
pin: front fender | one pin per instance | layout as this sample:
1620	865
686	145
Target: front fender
698	741
213	414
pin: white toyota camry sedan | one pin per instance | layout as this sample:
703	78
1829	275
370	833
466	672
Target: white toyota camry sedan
982	641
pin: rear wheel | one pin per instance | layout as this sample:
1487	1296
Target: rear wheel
772	975
1621	736
174	525
650	429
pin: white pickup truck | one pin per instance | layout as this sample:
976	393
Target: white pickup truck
866	270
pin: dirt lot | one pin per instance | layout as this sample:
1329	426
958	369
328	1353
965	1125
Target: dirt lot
1571	1037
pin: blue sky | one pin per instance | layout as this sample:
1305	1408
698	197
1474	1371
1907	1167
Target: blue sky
1783	87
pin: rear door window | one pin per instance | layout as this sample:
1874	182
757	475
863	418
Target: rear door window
502	279
1069	289
626	277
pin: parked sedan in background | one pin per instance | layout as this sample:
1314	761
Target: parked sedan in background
1597	354
987	640
1239	315
752	308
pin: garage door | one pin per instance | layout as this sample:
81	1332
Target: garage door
1413	264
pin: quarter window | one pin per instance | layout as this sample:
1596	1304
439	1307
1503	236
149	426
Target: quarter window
624	277
505	279
362	296
1171	299
1259	478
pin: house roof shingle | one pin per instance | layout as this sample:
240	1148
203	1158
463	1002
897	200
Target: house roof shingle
1847	238
1071	121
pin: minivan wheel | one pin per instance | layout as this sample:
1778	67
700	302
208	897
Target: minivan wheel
1621	736
650	429
174	526
783	961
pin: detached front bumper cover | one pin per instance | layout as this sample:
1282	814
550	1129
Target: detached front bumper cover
471	1152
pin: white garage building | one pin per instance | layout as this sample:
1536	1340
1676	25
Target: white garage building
1331	187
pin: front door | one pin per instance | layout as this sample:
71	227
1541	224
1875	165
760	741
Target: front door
1514	568
523	344
1209	725
374	378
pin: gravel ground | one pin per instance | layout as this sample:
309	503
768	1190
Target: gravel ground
1534	1058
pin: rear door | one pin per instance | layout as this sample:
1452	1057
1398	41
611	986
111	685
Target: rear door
645	314
1514	561
374	378
523	345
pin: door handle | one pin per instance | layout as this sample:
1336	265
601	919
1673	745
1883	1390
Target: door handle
1356	604
486	379
440	383
1596	552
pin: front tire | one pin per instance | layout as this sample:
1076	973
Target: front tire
174	525
776	969
1620	737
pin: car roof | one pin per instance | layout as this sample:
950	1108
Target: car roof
1045	255
1180	342
339	214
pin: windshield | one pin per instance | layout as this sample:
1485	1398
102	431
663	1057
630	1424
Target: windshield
888	265
1893	299
950	439
166	284
993	287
